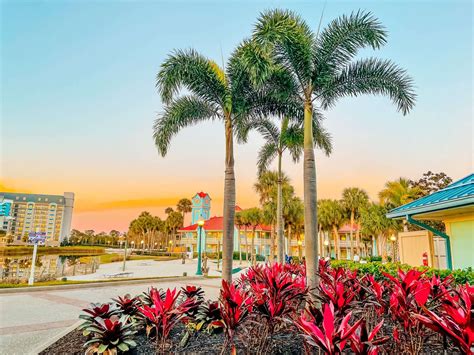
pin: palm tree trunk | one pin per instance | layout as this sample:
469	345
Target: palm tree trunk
310	202
337	246
252	247
240	246
229	203
351	234
280	235
358	249
247	247
272	245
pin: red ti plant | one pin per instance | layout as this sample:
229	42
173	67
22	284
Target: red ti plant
235	304
332	335
194	297
164	314
340	287
409	292
454	319
365	343
277	294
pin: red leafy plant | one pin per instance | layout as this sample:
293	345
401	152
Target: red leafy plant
163	315
102	310
235	305
109	335
277	294
364	342
332	335
454	318
127	305
408	292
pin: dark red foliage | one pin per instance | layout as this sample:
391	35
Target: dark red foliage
105	310
235	304
127	304
332	335
454	318
363	342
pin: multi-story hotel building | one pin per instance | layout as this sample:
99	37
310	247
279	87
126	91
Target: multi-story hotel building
51	214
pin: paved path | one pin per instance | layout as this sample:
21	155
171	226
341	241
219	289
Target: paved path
149	268
28	319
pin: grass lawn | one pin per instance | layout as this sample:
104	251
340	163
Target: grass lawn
69	250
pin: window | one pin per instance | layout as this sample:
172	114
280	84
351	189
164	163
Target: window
39	198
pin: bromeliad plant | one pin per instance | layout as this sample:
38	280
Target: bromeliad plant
98	310
109	336
127	305
164	314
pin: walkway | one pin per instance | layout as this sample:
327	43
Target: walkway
28	319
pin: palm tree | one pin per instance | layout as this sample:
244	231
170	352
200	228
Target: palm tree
239	222
214	93
375	223
332	214
353	200
294	218
321	69
254	219
184	206
269	218
277	141
397	193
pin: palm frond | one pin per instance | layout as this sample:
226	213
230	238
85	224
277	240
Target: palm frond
321	137
290	39
266	155
191	70
371	76
182	112
342	38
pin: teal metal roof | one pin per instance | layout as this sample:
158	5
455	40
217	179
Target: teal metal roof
457	194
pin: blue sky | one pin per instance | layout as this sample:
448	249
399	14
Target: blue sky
78	101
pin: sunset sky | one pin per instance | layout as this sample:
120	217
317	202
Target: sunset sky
79	100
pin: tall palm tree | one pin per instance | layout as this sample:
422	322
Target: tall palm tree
332	214
277	141
375	223
294	218
397	193
254	218
353	200
269	219
213	93
184	206
321	69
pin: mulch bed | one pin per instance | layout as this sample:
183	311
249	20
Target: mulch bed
202	343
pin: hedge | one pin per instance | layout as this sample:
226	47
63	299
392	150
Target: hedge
377	268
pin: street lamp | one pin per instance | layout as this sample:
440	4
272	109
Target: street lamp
200	223
393	239
326	244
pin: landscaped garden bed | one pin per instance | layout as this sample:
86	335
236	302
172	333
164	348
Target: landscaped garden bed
269	310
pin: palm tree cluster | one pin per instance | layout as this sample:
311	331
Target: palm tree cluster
287	73
90	237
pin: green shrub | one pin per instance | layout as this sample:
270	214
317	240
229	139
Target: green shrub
378	268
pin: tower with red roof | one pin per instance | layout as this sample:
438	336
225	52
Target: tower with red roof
201	207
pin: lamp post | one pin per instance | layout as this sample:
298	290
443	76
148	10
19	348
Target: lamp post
393	239
200	223
326	244
125	252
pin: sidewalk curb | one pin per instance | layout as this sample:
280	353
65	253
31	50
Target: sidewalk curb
55	338
97	284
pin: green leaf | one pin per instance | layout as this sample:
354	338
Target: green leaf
123	347
102	348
